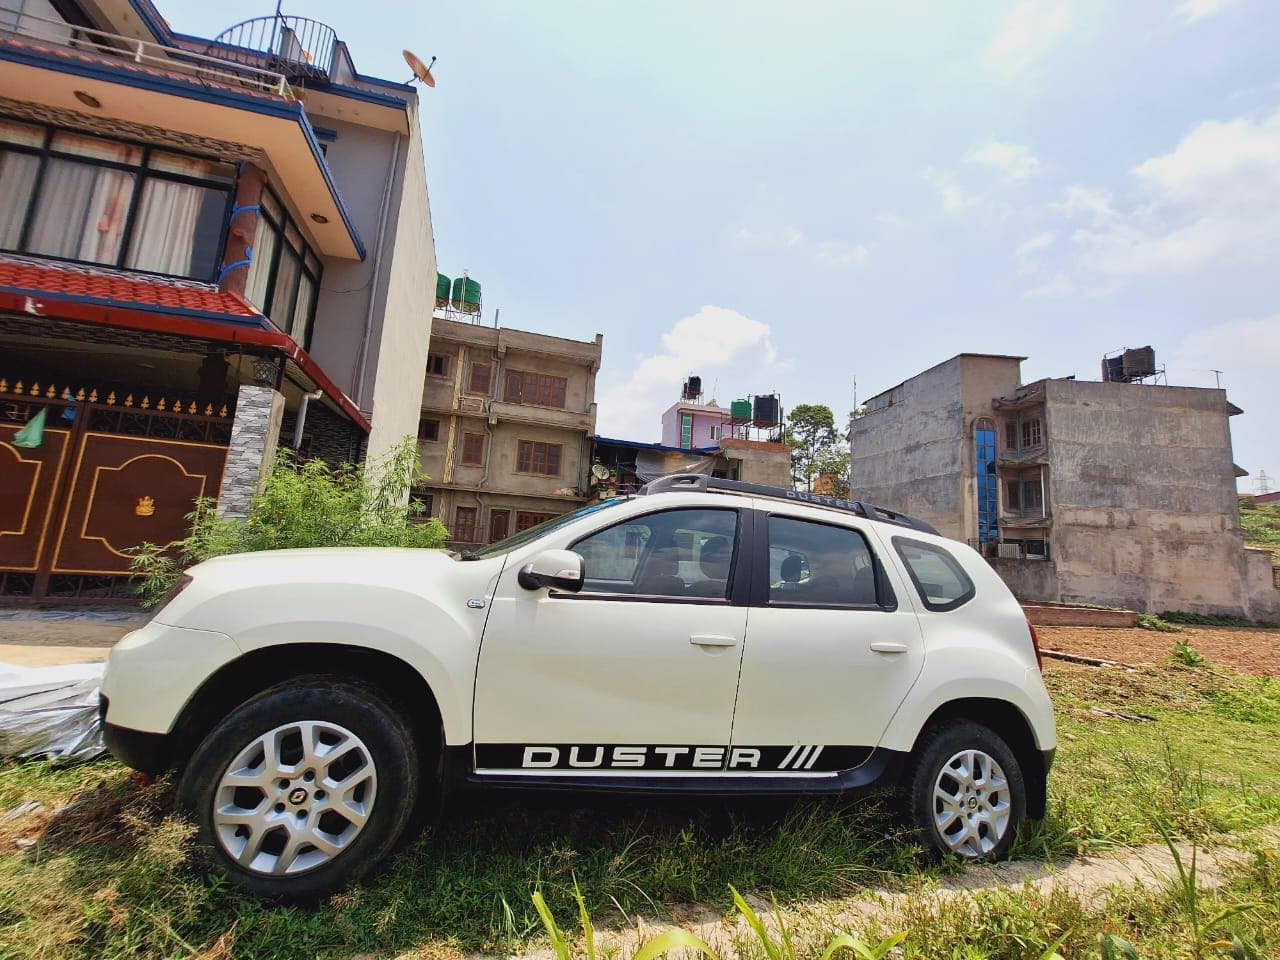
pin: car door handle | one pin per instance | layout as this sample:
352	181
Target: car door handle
710	640
884	646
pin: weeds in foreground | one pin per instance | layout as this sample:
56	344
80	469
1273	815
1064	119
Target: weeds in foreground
1187	655
1149	621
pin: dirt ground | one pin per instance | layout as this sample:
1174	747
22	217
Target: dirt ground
1255	652
46	638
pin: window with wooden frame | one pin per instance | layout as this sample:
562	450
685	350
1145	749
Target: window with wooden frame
119	203
284	275
437	365
534	389
473	449
429	430
1031	433
534	456
527	518
481	379
464	525
499	525
1011	434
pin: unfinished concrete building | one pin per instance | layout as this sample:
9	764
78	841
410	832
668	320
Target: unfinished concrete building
507	418
1115	493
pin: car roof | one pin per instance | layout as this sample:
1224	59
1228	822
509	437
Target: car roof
700	483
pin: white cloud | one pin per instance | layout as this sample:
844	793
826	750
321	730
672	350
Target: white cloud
1214	196
1028	30
1028	252
1092	204
841	254
1246	352
1189	11
955	199
838	253
1014	162
715	341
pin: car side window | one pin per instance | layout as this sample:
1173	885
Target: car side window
938	576
673	553
821	565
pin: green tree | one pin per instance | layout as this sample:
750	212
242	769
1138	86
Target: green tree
811	433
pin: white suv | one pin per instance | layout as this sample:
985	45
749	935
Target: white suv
706	636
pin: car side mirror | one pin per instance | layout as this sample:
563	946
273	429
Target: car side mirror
554	569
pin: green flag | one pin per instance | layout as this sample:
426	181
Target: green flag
32	435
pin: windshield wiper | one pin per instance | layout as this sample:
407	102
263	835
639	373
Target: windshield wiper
468	555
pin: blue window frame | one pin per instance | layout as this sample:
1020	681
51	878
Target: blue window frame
984	438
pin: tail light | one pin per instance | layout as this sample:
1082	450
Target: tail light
1035	644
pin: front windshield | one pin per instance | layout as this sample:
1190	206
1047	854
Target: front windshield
540	530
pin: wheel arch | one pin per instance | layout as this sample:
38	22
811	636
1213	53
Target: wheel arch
1012	726
243	678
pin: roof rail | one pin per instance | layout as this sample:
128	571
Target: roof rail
700	483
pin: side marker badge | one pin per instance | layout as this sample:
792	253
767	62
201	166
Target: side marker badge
475	603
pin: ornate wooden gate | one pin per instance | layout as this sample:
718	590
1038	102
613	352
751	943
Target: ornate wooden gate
110	473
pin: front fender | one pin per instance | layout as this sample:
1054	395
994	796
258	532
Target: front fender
441	644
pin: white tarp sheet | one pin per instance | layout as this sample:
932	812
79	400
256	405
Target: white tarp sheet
50	711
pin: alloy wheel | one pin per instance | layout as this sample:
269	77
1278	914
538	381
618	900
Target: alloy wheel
971	804
294	798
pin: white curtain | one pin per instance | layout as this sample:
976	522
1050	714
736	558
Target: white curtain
264	245
17	178
82	212
164	230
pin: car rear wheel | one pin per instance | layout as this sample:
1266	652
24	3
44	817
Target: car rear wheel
302	789
965	792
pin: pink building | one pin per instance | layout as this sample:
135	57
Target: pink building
691	425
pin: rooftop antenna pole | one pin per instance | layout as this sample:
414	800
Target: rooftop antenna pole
1217	378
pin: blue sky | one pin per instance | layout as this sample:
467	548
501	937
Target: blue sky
788	196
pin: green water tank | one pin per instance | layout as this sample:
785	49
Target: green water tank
740	411
442	289
466	295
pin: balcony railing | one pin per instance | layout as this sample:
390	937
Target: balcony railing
301	49
1027	549
210	69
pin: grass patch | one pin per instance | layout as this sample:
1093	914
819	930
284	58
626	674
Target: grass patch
110	876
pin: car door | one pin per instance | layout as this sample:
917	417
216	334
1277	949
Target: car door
833	647
634	674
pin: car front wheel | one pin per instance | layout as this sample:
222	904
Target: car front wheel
965	793
302	789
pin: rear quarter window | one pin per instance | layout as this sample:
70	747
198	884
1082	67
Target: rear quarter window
938	577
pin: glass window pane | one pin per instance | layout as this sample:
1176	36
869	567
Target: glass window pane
313	264
265	239
82	146
269	204
300	329
285	290
675	553
81	212
192	166
17	180
293	236
177	229
938	576
22	133
813	563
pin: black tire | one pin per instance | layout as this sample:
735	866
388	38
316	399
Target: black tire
938	745
361	711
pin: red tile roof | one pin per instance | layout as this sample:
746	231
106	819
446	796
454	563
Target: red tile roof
107	287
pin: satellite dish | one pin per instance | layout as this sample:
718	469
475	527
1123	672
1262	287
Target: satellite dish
421	71
600	471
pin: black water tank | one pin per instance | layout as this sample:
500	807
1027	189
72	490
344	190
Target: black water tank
765	410
693	388
1139	362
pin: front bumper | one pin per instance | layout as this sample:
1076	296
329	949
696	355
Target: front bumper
145	752
151	676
